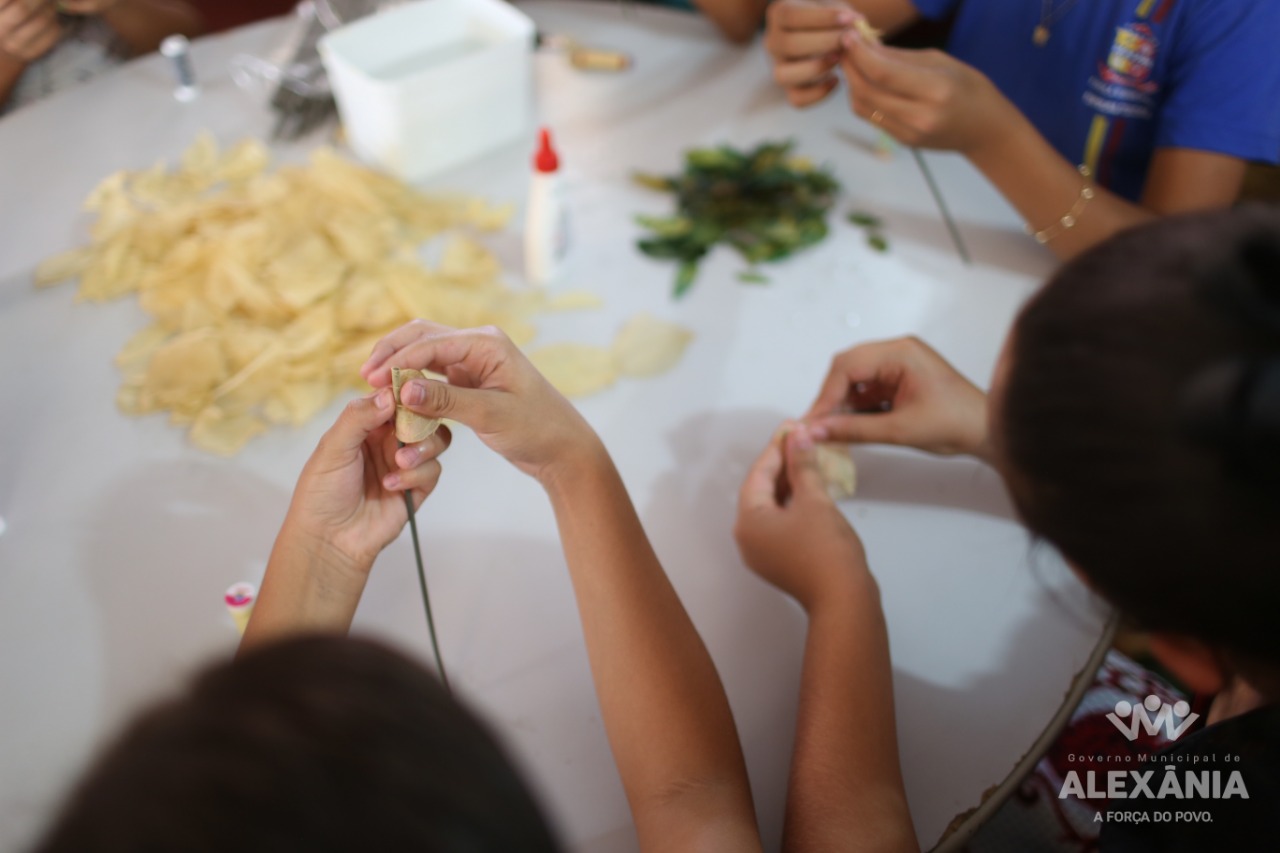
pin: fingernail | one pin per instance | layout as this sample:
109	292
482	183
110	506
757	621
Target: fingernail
407	457
413	393
849	38
819	432
804	439
844	17
383	400
391	482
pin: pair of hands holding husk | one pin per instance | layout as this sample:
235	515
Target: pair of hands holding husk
923	98
348	506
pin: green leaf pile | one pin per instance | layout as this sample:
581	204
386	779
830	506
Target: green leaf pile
765	203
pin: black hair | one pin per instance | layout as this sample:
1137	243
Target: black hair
311	744
1139	425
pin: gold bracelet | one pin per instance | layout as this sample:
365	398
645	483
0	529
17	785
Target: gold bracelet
1072	216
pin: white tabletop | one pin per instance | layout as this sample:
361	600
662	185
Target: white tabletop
119	538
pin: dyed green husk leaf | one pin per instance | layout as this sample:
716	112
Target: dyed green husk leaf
765	203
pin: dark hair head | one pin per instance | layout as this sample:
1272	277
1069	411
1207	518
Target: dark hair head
1139	424
312	744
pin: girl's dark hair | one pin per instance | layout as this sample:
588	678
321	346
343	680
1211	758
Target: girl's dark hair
313	744
1140	424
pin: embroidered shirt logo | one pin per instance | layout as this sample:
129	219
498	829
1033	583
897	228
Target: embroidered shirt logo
1132	58
1140	719
1123	85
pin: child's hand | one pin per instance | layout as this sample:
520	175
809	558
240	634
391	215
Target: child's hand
789	531
901	392
803	40
924	98
493	389
28	29
349	499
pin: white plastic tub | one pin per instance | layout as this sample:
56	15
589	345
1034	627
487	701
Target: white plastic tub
425	86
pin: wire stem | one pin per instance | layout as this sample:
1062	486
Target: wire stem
422	582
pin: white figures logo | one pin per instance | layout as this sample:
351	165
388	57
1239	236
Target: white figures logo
1132	720
1154	717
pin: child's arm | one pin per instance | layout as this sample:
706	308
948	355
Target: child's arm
348	506
142	24
846	789
664	709
928	99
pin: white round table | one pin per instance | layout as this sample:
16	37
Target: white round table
119	538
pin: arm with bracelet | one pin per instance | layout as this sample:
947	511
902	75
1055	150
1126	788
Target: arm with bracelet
1089	117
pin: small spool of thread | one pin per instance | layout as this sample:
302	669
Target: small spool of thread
178	49
240	598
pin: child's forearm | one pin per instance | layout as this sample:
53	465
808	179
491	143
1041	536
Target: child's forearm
143	24
307	588
665	711
846	789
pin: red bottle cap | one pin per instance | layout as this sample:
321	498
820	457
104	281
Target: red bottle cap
545	160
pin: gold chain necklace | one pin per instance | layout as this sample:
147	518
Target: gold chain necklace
1048	17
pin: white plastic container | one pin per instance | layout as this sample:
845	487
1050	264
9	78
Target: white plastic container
425	86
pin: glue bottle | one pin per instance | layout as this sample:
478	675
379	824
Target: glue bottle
546	236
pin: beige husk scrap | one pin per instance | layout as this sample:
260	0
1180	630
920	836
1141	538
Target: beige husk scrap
411	427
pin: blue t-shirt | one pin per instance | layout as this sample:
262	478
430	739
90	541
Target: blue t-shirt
1118	79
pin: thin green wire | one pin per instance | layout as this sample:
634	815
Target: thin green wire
422	582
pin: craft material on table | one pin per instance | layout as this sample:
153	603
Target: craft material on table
585	57
267	290
645	346
872	225
766	203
